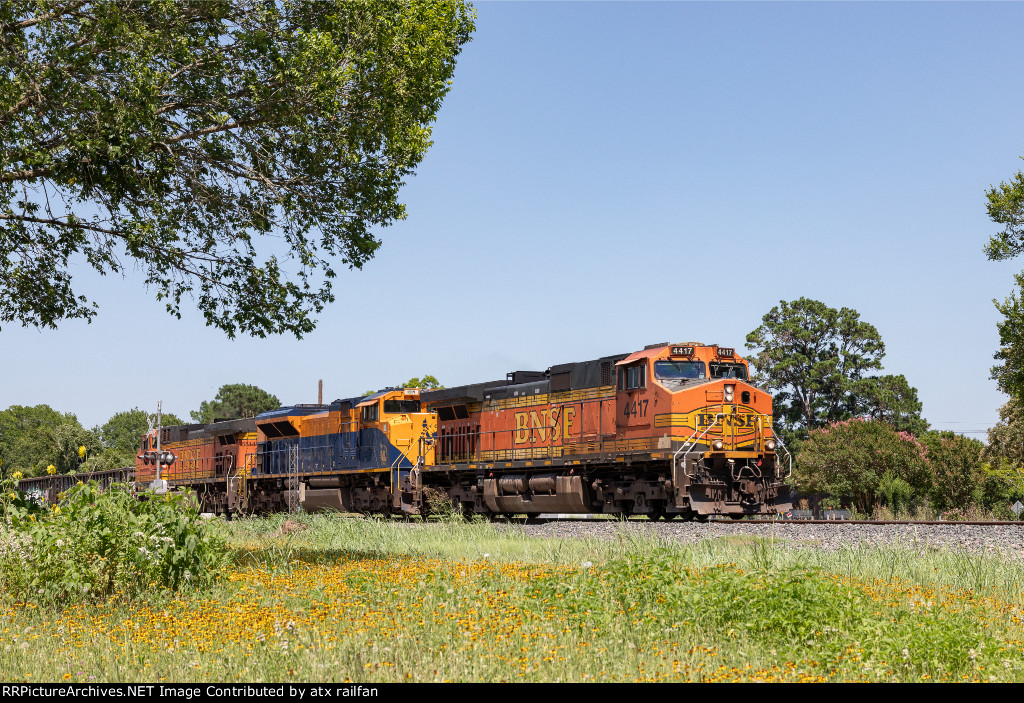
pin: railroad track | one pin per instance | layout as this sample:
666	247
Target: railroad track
642	519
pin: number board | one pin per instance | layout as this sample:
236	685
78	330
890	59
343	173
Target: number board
682	351
726	351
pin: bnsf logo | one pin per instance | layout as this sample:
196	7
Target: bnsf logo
540	425
188	459
707	419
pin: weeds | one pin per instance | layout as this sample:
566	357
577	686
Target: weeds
96	543
372	600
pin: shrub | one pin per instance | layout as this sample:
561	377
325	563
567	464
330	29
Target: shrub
957	476
95	544
850	458
898	493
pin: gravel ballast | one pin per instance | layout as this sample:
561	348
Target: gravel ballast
1003	540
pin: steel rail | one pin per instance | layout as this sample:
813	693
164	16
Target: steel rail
764	521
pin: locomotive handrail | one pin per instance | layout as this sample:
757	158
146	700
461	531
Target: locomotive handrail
790	456
693	443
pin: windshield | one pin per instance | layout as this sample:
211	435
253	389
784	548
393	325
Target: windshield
725	370
678	370
401	406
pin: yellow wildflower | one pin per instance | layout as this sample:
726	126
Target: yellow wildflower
81	452
51	469
17	476
55	509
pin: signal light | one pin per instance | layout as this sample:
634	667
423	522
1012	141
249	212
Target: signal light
167	458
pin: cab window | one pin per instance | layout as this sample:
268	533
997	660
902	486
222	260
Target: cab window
728	370
633	377
678	370
401	406
370	413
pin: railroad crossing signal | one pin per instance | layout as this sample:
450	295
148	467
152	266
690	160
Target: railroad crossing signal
166	458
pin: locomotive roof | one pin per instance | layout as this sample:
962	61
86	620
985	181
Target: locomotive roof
570	376
227	427
294	410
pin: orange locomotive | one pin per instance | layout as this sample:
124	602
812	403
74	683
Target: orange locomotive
675	430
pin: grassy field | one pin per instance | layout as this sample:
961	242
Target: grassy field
365	600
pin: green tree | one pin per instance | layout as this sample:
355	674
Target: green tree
1006	208
33	438
814	360
124	430
1004	452
890	399
1009	373
235	150
958	476
852	458
1006	438
235	400
426	383
120	437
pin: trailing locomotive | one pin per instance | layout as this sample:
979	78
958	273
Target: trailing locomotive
674	430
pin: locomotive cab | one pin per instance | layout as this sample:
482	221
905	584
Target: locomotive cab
407	428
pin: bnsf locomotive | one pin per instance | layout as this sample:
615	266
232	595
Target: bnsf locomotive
674	430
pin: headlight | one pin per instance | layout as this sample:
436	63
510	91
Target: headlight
718	445
729	388
770	445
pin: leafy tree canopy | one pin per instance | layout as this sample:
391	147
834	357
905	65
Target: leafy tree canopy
426	383
233	401
816	359
957	471
891	399
1005	449
234	150
34	438
124	430
1006	208
1009	372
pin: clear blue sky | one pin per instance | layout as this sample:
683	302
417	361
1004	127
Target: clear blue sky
609	175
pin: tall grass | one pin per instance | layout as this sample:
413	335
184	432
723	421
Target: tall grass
374	600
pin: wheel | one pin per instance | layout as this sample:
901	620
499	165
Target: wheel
700	518
671	516
737	517
532	516
627	510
